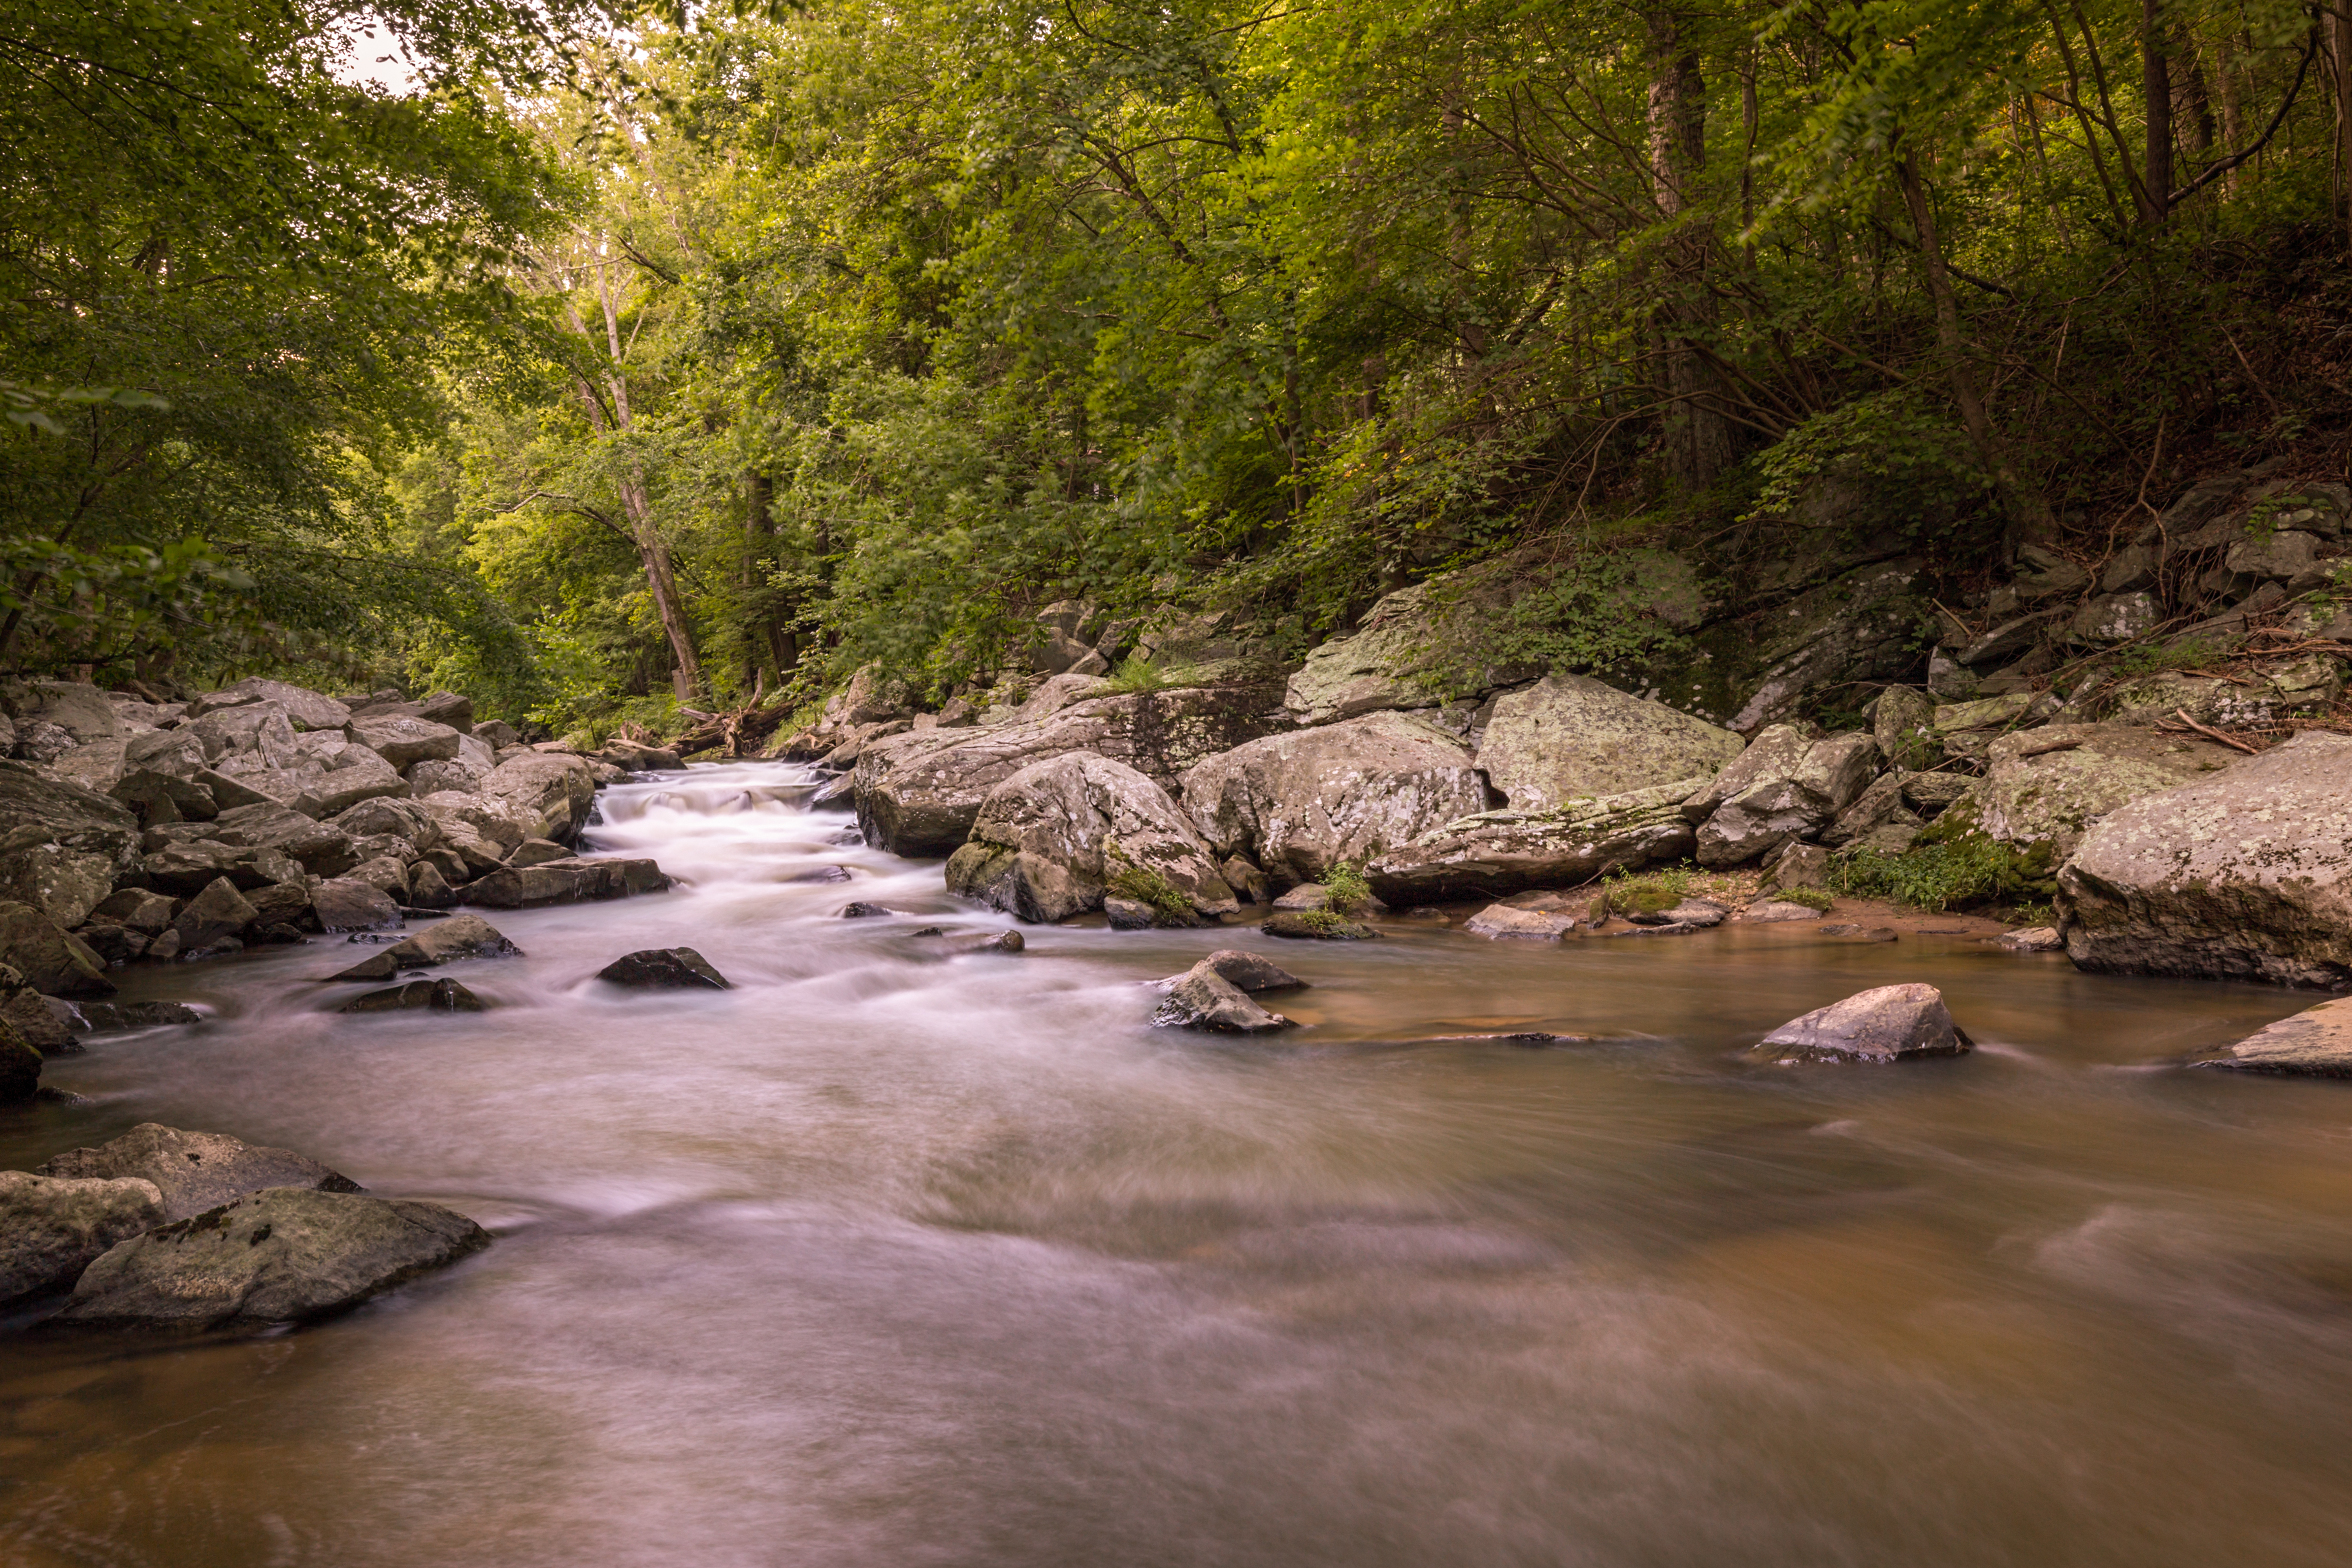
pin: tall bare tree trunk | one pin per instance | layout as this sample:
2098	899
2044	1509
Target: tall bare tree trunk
2155	82
2029	514
2339	53
1698	436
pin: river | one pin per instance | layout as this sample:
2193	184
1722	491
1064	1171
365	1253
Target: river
894	1259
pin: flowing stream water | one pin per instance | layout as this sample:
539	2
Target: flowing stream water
887	1257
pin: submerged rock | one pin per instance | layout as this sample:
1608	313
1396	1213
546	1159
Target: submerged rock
1203	999
284	1254
107	1016
2314	1043
196	1171
443	995
565	882
664	968
860	910
1889	1023
2247	875
52	1229
1318	925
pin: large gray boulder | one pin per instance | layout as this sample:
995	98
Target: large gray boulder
2053	785
52	960
1569	738
919	792
80	710
402	741
280	1255
348	775
1887	1024
1495	853
1795	794
2314	1043
320	848
1204	998
1385	663
448	941
1301	801
1060	835
61	846
52	1229
546	795
382	818
568	881
2246	875
305	710
196	1171
1859	627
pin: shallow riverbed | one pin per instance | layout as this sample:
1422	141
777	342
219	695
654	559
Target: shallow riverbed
889	1258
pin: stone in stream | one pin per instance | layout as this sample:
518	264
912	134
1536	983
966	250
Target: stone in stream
283	1254
1499	852
1696	913
565	882
2033	939
1246	971
545	794
823	874
137	908
53	1229
1768	912
664	968
443	995
1203	999
1318	925
196	1171
1064	836
862	910
428	889
1889	1023
374	966
51	959
1497	921
105	1017
346	903
445	942
214	918
2314	1043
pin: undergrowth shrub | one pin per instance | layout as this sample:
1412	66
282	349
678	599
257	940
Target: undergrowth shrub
1969	869
1146	886
1652	892
1347	889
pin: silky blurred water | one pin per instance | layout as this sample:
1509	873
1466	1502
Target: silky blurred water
888	1256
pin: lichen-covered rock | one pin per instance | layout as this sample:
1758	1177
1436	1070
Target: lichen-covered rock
196	1171
51	959
1793	801
1318	925
1497	852
1246	971
305	708
1777	751
2246	875
565	882
1060	835
2051	785
1301	801
2301	685
60	842
1205	999
2314	1043
321	849
2115	617
283	1254
190	867
401	740
1508	921
51	1229
1887	1024
1903	726
917	793
546	795
1385	663
1571	738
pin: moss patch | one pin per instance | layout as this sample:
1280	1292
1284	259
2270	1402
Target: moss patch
1964	868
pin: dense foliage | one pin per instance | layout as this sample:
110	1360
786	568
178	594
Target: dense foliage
691	360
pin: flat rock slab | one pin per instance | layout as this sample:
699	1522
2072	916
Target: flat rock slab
1205	999
443	995
1774	909
565	882
1889	1023
51	1228
2314	1043
1505	921
663	969
105	1016
1317	926
281	1256
196	1171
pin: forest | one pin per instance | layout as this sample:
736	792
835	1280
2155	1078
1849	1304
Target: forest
609	362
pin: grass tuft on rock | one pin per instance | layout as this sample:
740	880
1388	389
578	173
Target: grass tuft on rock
1652	892
1146	886
1968	868
1345	889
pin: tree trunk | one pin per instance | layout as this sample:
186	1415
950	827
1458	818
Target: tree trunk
2234	117
2339	50
1698	436
2029	514
2155	82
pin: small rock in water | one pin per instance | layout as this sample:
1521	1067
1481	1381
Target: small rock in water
861	910
1306	896
108	1015
285	1255
1205	999
537	852
1318	925
664	968
1128	914
1002	941
375	966
196	1171
443	995
2033	939
928	930
1873	934
1505	921
2314	1043
822	874
1889	1023
51	1228
1244	971
1772	910
460	936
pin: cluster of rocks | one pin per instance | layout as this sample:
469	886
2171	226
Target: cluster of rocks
2098	780
263	813
161	1228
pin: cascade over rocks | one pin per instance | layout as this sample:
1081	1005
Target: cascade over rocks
1569	737
53	1229
196	1171
2246	875
280	1255
1494	853
1300	802
1057	838
919	792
